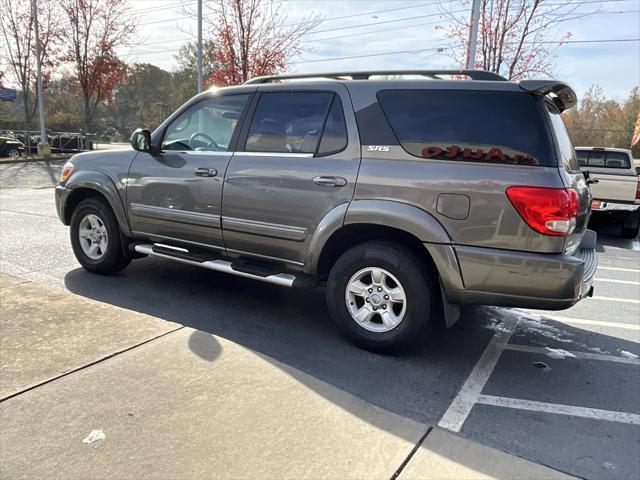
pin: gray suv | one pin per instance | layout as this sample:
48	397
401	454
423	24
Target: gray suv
408	197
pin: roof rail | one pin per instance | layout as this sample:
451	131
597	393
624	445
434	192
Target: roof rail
559	93
473	74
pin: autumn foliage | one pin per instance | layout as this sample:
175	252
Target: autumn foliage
517	39
94	29
251	39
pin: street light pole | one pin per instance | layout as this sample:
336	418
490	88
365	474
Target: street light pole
44	149
199	46
473	34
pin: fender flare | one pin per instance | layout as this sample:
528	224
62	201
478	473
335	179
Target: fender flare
401	216
387	213
104	185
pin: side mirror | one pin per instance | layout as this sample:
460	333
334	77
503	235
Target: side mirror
141	140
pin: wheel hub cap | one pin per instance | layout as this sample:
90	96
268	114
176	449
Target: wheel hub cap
93	237
375	299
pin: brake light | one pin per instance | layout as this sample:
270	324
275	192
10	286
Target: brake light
549	211
638	191
66	171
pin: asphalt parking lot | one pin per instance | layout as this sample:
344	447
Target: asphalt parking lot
558	388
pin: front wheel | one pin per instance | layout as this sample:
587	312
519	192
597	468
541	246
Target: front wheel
379	295
95	238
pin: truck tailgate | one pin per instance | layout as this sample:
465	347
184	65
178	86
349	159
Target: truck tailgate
613	187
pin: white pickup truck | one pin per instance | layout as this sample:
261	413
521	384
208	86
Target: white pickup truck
614	185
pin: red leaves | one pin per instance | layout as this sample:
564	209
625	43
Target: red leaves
94	29
251	39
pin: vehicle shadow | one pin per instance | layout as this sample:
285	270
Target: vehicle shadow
292	327
609	236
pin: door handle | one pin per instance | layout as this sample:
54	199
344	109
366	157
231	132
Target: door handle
330	181
205	172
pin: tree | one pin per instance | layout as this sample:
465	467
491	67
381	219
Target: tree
143	99
185	77
94	29
602	122
19	47
251	38
516	38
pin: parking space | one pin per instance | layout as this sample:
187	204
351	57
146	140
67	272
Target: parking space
558	388
563	388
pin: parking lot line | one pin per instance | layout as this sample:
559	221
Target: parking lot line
618	269
460	408
613	280
615	299
584	321
593	413
575	354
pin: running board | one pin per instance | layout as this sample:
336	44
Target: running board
282	279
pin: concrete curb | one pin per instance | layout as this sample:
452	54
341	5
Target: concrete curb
35	160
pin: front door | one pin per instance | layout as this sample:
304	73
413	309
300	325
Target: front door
297	159
176	195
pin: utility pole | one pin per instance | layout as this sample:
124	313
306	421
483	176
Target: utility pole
473	34
199	46
44	149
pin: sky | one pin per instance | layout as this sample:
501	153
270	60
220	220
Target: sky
374	28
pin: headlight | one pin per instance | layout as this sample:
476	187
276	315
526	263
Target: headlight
66	171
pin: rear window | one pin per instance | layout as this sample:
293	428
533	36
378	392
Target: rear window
469	125
603	159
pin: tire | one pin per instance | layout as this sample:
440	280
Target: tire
400	268
108	258
631	225
14	153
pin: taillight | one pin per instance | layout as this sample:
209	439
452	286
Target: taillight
638	191
66	171
549	211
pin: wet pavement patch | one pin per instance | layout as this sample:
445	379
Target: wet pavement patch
577	382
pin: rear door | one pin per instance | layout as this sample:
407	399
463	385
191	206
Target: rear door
176	194
297	159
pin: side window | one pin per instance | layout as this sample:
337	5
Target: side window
207	126
566	152
470	125
334	135
288	122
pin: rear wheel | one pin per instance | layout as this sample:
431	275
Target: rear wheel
95	238
380	297
631	225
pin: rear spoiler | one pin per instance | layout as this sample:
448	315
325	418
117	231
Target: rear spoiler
559	93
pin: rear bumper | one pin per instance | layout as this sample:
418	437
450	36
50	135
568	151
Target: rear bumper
526	280
606	206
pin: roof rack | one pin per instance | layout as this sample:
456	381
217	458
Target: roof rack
473	74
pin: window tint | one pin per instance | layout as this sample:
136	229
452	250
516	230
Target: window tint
474	126
566	152
334	135
596	159
602	158
208	125
583	157
288	122
618	160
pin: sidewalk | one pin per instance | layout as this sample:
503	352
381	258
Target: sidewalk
174	402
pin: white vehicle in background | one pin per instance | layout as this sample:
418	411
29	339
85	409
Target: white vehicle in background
614	184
